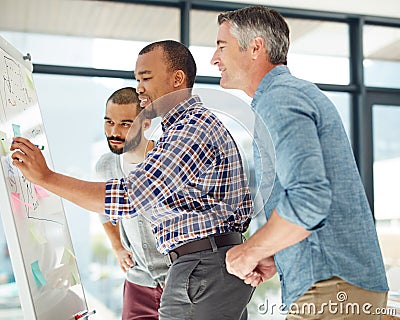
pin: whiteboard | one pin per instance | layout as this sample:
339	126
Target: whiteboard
34	220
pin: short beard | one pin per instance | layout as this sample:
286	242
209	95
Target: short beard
115	150
132	144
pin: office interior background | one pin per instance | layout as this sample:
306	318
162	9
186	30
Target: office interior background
83	50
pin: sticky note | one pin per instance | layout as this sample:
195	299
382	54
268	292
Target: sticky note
75	277
3	143
40	192
17	130
68	257
15	200
37	274
37	235
29	81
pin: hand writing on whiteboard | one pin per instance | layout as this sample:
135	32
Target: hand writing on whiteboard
30	160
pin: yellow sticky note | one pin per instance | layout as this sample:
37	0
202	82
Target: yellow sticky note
68	256
37	236
75	277
3	143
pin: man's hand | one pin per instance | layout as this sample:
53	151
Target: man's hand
264	270
248	263
124	258
239	262
30	160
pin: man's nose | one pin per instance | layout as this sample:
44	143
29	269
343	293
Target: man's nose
139	88
115	132
215	58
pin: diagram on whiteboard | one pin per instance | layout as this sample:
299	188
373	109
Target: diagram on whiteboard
15	90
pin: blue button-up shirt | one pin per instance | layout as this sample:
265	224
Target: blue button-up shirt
318	187
193	181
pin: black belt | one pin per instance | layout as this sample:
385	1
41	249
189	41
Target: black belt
220	240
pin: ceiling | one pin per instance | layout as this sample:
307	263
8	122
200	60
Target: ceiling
112	20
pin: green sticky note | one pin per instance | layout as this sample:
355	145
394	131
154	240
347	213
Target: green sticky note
37	274
29	81
17	130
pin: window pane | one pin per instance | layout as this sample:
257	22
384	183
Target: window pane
342	102
382	56
319	51
98	34
386	144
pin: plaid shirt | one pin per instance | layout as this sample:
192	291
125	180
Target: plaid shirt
192	182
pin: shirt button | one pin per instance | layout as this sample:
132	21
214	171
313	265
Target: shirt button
140	222
144	245
151	268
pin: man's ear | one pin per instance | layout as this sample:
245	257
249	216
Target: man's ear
146	124
258	47
179	78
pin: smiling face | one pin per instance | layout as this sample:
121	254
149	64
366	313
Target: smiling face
154	80
233	63
117	122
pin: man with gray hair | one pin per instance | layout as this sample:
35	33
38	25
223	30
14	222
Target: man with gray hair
319	226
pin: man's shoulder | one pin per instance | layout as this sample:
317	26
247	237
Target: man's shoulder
106	158
106	163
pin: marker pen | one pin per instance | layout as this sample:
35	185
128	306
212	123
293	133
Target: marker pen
39	146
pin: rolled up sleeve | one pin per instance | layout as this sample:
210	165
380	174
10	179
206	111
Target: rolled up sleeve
293	122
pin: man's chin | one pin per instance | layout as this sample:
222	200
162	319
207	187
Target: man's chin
117	151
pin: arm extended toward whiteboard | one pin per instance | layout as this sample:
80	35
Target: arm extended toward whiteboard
31	162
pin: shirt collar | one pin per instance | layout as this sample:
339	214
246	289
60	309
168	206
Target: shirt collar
267	80
174	114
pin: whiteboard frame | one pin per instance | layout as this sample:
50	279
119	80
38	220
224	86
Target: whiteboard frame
9	225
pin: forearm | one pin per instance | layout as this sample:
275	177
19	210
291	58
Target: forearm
276	235
88	195
113	234
30	160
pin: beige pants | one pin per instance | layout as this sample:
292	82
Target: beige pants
337	299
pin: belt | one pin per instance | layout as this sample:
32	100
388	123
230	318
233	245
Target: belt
218	240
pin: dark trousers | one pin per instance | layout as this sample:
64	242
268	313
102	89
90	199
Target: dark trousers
140	303
198	287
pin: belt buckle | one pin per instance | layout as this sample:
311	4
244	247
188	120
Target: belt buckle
171	257
168	260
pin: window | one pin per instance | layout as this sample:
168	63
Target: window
386	145
381	57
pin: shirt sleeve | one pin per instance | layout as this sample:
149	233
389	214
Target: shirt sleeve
179	156
292	120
